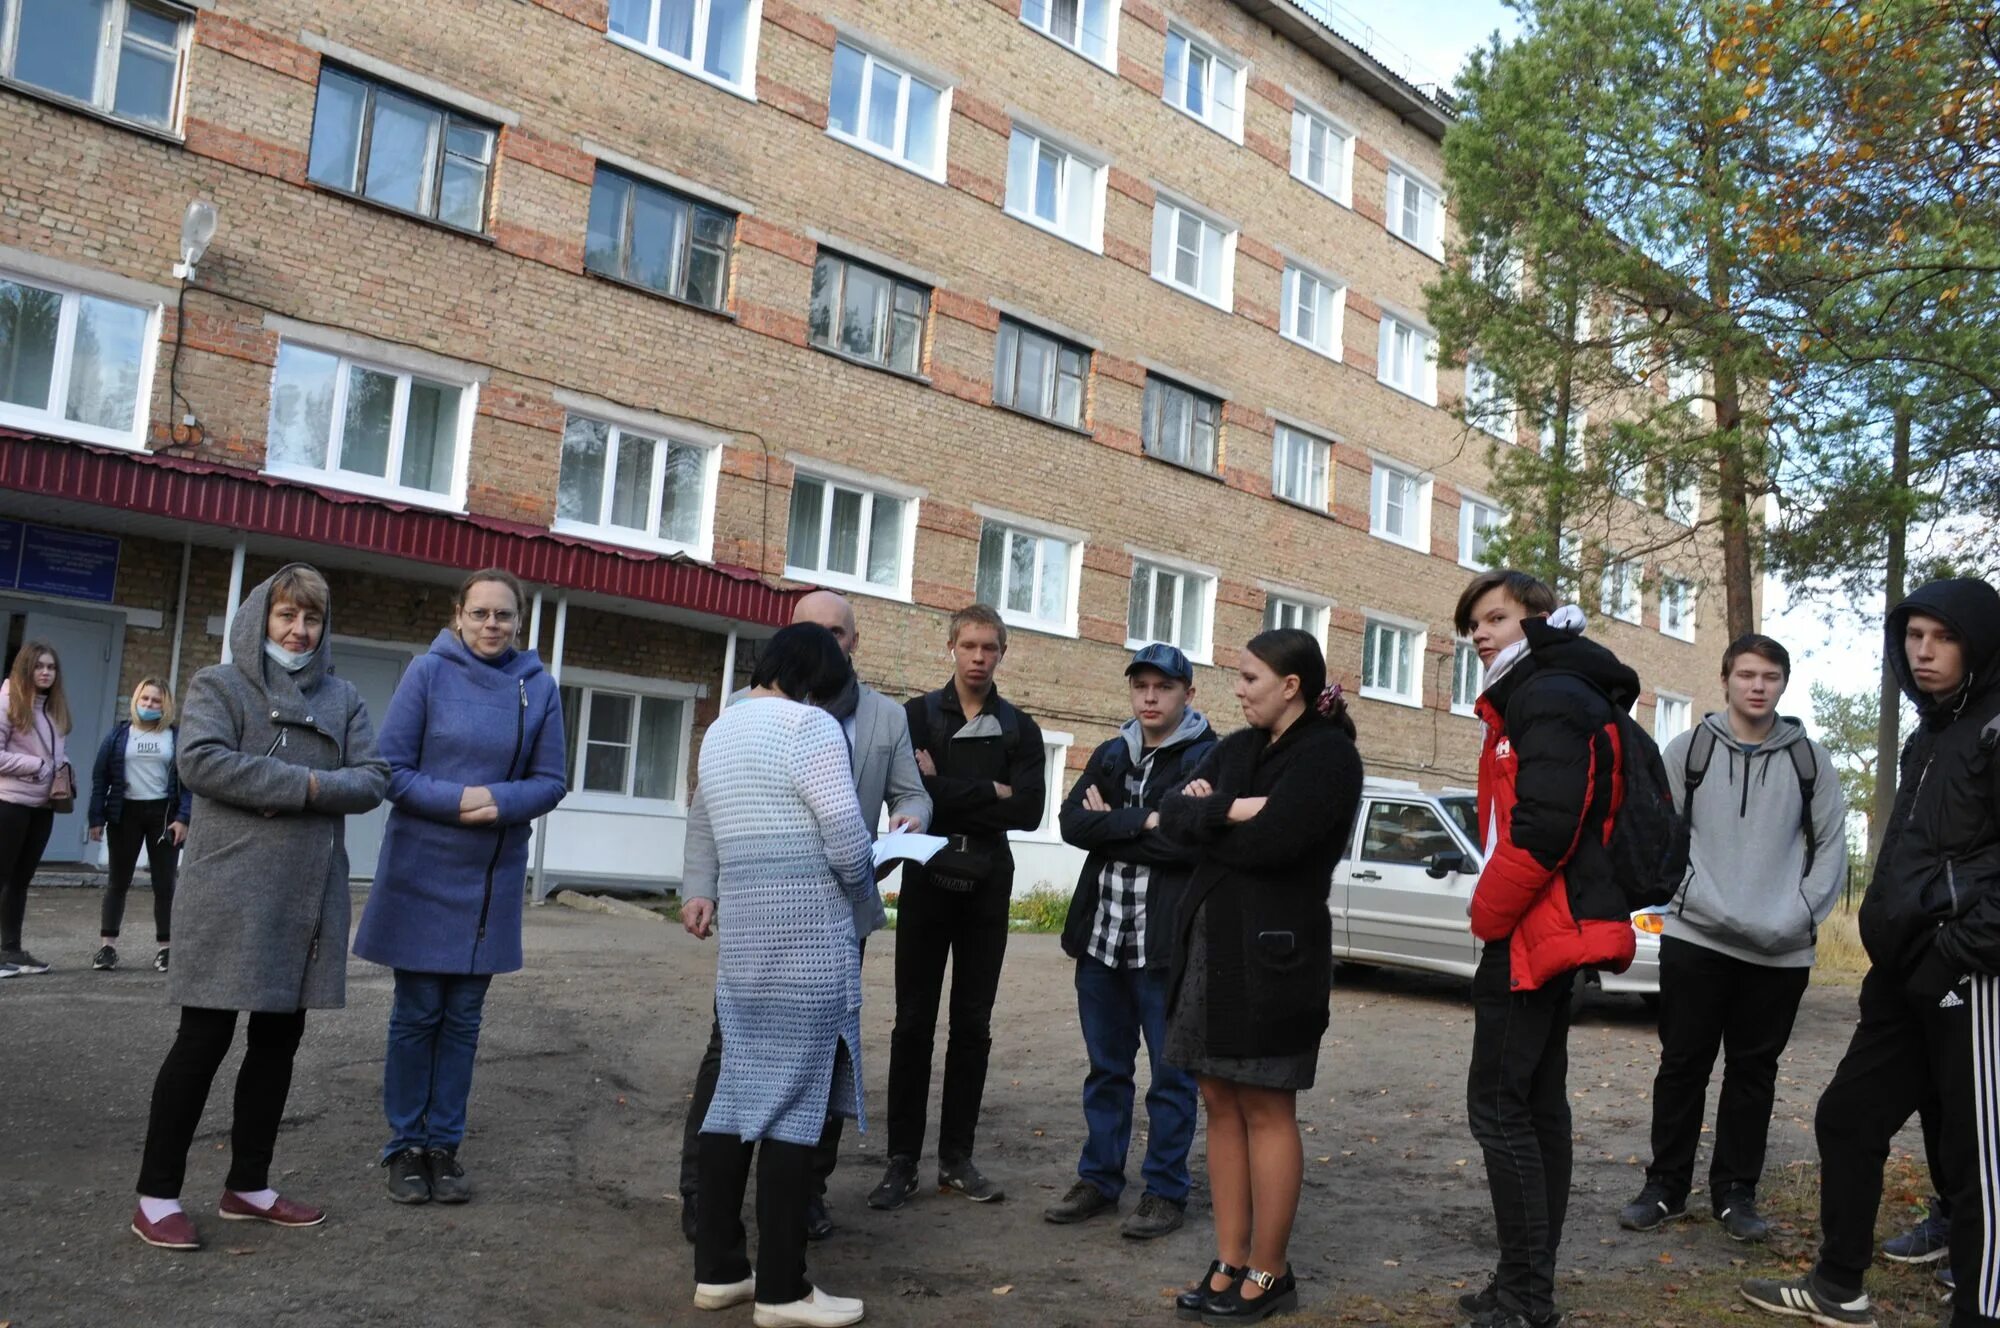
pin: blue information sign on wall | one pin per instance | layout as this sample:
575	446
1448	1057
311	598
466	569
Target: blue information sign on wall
70	564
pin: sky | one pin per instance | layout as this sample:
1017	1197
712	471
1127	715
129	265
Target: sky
1434	36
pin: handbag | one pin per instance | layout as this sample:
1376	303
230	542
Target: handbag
961	866
62	789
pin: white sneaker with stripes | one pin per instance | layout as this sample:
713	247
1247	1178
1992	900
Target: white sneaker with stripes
1805	1298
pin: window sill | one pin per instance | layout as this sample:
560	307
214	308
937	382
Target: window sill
1298	506
1078	430
477	237
1413	546
1039	626
69	431
859	362
1345	198
1233	135
619	804
882	154
680	66
624	539
359	486
695	305
1400	390
1193	294
1676	636
1392	698
1436	256
1046	228
1204	656
848	584
1108	66
1302	344
89	112
1185	468
1464	711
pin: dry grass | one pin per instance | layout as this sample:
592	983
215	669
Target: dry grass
1841	958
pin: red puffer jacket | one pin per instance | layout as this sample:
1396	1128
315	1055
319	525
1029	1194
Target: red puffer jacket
1550	784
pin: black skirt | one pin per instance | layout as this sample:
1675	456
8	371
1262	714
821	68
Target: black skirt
1187	1032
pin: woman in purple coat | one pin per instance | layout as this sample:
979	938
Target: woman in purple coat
474	742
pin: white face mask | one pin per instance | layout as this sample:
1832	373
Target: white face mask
285	659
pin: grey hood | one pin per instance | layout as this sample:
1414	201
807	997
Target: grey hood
1193	724
247	636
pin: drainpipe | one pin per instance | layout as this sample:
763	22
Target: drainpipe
728	671
541	891
535	623
235	599
180	621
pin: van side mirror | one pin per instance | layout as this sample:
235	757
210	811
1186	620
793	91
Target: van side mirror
1444	864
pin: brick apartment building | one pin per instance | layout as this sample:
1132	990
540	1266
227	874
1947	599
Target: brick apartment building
1106	311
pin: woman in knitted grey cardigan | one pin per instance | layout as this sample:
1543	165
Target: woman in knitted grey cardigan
778	806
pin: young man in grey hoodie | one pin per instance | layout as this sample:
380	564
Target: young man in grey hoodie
1769	857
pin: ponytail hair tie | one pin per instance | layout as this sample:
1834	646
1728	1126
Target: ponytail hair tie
1329	698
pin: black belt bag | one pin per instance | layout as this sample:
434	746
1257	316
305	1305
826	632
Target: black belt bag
963	864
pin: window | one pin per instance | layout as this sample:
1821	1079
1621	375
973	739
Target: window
1478	523
624	744
1180	425
1028	576
652	237
881	109
1037	374
1407	359
75	364
1322	154
1299	464
368	427
400	151
122	57
1414	212
624	485
1677	607
1089	27
1052	187
845	535
1398	506
1282	610
1618	593
1389	656
1468	677
711	39
1632	343
1312	310
1628	477
1572	438
1497	268
1405	834
1685	385
868	315
1683	494
1486	406
1193	253
1055	780
1569	563
1169	604
1672	716
1205	83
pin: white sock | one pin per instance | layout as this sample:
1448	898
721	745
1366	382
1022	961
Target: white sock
155	1209
257	1198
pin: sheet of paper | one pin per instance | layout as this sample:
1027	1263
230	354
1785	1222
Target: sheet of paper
903	846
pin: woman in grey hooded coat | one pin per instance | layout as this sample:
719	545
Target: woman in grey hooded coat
278	752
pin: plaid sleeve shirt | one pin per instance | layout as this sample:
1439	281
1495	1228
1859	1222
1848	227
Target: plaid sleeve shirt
1118	932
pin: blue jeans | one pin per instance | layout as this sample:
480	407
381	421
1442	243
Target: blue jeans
427	1077
1115	1006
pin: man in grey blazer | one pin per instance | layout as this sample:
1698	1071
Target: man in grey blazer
885	772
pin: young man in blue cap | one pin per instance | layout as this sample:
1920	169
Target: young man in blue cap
1120	932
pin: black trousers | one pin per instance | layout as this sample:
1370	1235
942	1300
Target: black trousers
1710	1001
141	825
181	1092
1517	1103
783	1185
1906	1047
24	835
969	928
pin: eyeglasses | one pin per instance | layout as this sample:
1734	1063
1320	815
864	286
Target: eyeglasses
504	617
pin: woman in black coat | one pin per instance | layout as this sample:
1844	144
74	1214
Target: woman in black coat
1268	813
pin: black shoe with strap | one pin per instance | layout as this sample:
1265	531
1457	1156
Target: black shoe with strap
1194	1302
899	1182
1276	1294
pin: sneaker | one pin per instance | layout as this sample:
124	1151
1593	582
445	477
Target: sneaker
1083	1201
409	1180
1153	1218
1652	1209
1739	1217
105	959
899	1182
8	969
817	1310
1805	1298
1483	1301
175	1231
819	1222
1926	1242
448	1182
283	1212
964	1177
160	960
23	963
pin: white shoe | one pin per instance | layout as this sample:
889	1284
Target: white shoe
818	1310
722	1295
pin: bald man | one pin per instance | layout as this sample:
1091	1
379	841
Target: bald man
885	771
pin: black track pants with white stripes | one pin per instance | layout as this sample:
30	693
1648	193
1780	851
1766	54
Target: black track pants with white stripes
1905	1047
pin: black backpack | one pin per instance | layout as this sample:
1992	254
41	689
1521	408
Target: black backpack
1649	838
1701	751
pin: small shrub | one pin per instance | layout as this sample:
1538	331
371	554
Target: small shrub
1042	909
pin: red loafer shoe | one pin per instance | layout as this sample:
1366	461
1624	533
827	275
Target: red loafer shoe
172	1232
283	1212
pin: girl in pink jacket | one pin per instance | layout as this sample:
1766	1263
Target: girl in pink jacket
34	721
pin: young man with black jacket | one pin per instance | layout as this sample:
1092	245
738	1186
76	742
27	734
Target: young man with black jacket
1547	904
1120	932
1767	860
1930	1004
981	761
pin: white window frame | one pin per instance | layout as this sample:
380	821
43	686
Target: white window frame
1108	59
1340	161
1055	776
1681	503
333	477
1312	611
110	49
50	419
1469	508
1409	367
1319	478
1013	526
1632	343
871	61
840	477
1168	214
1419	536
1487	408
1418	634
665	433
1579	424
1206	577
578	799
1329	309
1033	143
1618	593
1687	598
697	44
1429	242
1686	384
1230	126
1464	656
1682	705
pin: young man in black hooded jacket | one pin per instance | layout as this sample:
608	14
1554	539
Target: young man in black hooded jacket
1930	1005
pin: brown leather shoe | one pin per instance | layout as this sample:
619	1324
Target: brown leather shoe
173	1232
283	1212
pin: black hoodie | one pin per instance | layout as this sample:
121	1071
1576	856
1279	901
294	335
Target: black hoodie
1932	911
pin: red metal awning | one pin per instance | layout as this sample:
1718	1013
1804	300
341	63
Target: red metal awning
232	498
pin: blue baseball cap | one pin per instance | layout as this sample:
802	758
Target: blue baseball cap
1167	659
